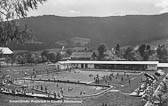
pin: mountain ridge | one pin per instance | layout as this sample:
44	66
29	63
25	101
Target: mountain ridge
125	30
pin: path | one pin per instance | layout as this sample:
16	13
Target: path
148	103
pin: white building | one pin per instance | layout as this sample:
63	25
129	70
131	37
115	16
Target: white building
5	51
121	65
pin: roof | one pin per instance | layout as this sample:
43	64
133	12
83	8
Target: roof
81	54
80	48
108	62
5	50
163	65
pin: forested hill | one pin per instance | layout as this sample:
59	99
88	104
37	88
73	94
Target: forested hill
54	31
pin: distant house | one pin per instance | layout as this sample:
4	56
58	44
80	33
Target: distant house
83	56
5	51
80	49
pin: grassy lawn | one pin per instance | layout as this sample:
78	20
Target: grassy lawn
119	81
114	99
21	71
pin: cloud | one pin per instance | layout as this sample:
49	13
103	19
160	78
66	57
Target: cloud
143	1
100	7
163	5
74	11
123	13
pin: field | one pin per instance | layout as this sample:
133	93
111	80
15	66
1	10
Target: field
122	83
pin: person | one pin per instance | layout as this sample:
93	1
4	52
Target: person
97	75
35	76
138	91
33	87
61	91
112	75
46	89
48	93
41	87
58	94
37	87
55	95
124	73
141	80
110	78
117	74
84	92
127	76
129	82
80	92
32	92
106	81
33	71
62	99
122	78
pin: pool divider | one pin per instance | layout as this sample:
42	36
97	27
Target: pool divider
82	96
67	81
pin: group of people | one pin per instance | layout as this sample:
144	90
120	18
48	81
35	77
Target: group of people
6	90
109	78
45	89
7	81
14	91
146	90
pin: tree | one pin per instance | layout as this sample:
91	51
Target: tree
1	52
69	51
94	56
51	57
160	99
129	55
164	87
58	57
101	49
11	31
10	10
21	60
14	9
13	58
29	56
145	51
44	53
162	53
117	50
43	59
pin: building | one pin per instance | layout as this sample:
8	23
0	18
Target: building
82	56
119	65
80	49
163	65
5	51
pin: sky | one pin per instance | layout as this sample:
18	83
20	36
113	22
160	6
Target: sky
100	8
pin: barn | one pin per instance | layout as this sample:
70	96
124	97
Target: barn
4	52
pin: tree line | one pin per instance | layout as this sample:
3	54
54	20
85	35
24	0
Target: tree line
143	52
